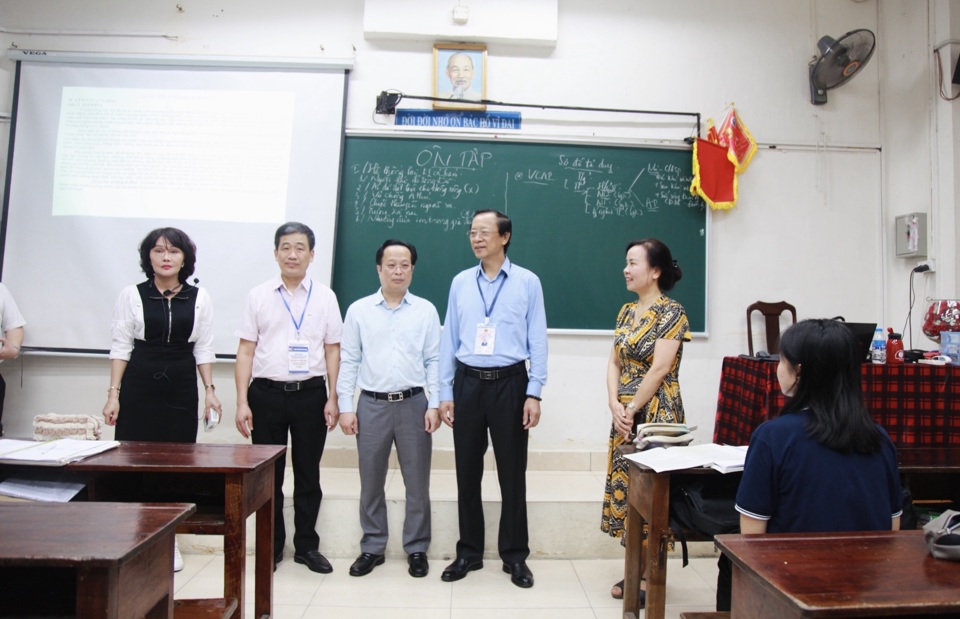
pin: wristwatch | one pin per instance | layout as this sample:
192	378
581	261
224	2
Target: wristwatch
632	405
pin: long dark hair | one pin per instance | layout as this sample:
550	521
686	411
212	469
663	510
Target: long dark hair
825	356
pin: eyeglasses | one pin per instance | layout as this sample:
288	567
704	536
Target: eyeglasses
402	267
479	234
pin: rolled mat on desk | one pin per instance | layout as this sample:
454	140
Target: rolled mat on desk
51	426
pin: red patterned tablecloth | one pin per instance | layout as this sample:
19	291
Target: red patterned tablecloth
919	405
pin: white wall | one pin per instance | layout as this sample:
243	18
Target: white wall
815	217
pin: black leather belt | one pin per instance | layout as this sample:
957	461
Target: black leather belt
494	373
393	396
296	385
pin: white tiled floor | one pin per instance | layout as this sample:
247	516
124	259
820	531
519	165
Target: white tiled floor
564	589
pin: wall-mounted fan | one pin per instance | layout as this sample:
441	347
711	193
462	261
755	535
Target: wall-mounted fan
839	61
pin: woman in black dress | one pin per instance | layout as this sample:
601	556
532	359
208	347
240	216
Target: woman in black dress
162	330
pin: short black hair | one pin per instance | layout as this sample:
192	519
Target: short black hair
391	243
504	225
176	237
659	257
294	227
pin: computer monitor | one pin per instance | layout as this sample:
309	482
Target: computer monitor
863	332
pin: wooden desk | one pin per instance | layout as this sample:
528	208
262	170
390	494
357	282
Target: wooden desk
88	560
648	502
929	473
919	405
876	574
227	482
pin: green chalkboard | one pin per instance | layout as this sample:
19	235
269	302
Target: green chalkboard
574	209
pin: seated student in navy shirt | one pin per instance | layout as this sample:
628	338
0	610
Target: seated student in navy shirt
823	464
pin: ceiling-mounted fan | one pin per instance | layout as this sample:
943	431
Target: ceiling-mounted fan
840	59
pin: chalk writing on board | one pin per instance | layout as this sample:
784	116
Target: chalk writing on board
436	187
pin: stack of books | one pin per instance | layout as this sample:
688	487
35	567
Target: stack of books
663	435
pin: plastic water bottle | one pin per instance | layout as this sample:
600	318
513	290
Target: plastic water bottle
878	347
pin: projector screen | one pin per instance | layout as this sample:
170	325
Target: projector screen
102	153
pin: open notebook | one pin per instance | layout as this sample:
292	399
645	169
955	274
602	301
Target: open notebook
51	453
722	458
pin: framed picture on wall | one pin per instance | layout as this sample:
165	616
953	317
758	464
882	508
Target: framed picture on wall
459	75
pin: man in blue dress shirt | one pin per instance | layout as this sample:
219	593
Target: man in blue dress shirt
391	350
495	323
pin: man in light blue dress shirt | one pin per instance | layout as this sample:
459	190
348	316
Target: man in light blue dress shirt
495	323
391	351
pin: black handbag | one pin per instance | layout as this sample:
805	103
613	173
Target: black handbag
704	504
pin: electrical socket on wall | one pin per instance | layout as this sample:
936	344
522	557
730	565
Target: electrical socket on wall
931	265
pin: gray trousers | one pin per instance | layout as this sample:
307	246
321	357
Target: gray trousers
381	424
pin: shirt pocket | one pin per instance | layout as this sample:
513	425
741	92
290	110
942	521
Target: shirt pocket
314	328
511	309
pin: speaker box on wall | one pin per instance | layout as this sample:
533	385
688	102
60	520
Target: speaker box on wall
956	72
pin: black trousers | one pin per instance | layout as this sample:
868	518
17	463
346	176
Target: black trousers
724	583
3	394
299	413
495	406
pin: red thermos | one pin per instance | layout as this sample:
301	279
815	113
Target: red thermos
894	347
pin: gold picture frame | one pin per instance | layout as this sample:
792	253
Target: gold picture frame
459	75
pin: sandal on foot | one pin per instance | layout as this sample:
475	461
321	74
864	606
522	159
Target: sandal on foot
616	592
619	595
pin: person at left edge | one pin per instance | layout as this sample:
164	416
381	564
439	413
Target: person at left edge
290	330
162	330
11	325
391	350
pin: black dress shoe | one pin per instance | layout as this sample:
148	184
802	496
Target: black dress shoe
459	568
419	567
365	564
277	558
314	561
520	574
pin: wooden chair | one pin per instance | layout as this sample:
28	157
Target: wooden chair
771	315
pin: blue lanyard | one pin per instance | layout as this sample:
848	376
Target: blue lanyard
289	311
487	311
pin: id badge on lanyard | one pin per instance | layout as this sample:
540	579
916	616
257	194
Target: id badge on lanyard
486	332
298	351
298	357
486	338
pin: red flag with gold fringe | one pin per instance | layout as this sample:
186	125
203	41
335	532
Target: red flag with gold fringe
736	137
714	175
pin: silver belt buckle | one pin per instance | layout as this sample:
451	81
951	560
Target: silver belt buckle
395	396
292	386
